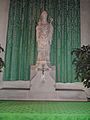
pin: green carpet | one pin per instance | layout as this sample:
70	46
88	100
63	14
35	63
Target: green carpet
27	110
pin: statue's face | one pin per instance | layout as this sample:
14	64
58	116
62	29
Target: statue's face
44	15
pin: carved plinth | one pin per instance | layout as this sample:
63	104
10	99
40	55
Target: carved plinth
42	80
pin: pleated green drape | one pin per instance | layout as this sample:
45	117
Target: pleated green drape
21	46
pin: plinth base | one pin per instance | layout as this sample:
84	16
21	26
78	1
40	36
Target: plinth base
42	81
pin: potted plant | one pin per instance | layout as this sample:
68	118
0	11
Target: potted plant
82	64
1	60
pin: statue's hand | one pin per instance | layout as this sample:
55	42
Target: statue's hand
51	20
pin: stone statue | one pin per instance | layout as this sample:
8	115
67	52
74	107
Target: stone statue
42	75
44	32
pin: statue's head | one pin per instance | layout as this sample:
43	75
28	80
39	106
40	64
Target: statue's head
44	15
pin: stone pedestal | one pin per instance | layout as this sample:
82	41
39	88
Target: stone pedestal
42	81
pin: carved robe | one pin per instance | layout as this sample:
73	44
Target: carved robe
44	37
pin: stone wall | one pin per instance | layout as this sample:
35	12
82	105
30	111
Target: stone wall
4	7
85	21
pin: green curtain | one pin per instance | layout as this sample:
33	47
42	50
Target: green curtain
21	47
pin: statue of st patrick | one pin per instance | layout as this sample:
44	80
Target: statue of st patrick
44	32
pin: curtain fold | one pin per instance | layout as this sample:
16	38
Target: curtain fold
21	46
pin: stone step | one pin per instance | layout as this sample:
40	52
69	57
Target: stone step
47	96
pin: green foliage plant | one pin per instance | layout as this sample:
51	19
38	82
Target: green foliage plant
1	60
82	64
